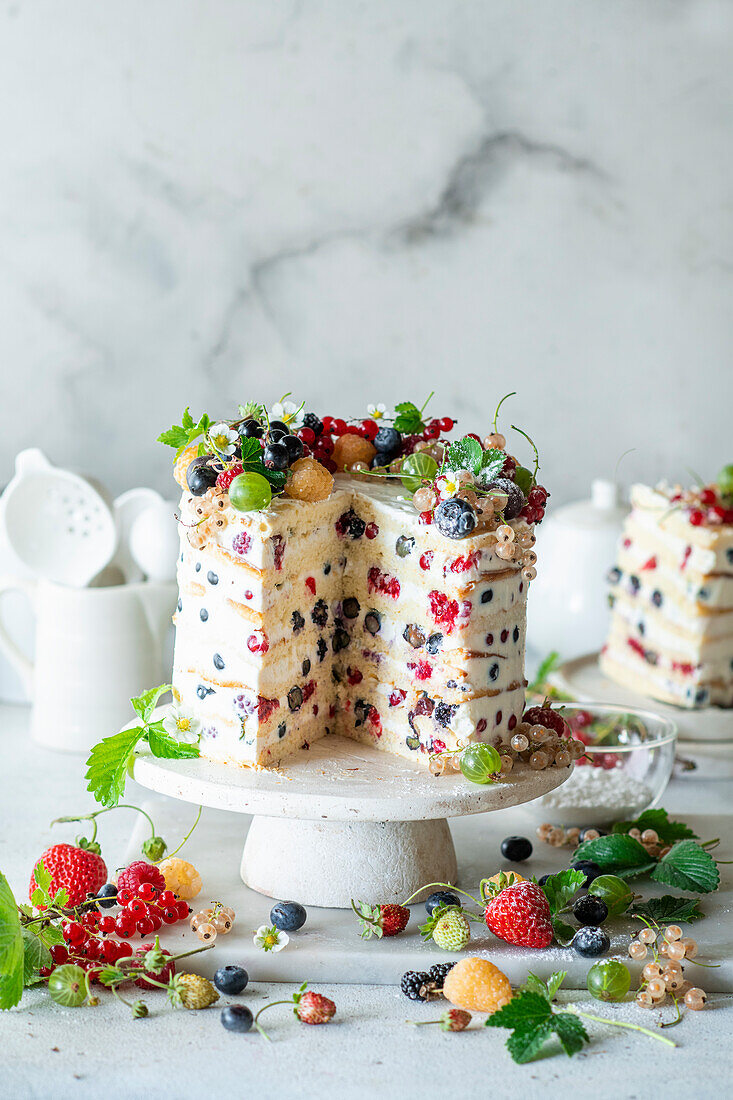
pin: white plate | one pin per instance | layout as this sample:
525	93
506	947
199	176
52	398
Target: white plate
583	680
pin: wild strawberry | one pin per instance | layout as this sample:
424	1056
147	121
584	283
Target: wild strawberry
78	871
451	930
194	992
314	1008
380	920
520	914
546	716
138	872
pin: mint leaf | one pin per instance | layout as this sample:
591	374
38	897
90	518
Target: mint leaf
144	704
107	765
35	955
163	745
408	418
570	1032
492	461
687	866
658	819
669	908
465	454
560	888
618	853
11	948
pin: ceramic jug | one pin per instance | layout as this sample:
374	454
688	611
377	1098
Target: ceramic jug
95	648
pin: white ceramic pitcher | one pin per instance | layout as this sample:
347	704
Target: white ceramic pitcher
95	648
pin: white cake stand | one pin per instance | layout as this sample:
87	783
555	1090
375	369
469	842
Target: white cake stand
342	820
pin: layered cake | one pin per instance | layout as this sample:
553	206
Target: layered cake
365	578
671	634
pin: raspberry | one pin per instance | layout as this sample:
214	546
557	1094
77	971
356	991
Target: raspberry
314	1008
79	871
309	480
181	878
397	696
241	543
477	984
443	609
138	872
349	449
182	463
546	716
226	477
163	975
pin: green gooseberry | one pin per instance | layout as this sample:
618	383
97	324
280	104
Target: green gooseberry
725	480
480	763
416	468
67	985
608	980
616	893
249	492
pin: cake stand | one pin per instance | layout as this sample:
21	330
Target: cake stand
341	820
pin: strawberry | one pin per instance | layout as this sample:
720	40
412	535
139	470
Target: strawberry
381	920
546	716
314	1008
452	930
520	914
78	871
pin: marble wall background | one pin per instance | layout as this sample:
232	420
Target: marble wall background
205	201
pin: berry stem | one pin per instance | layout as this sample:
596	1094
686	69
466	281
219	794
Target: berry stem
496	414
175	851
93	817
423	1023
534	448
447	885
621	1023
677	1018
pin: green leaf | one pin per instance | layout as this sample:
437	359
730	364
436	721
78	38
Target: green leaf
43	879
175	437
492	461
107	765
524	1043
180	435
669	908
35	955
617	853
408	418
465	454
687	866
563	931
163	745
251	454
657	819
11	948
570	1032
548	665
524	1010
144	704
554	982
560	888
546	989
50	935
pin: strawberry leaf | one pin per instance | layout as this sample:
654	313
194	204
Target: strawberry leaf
669	908
530	1016
687	866
657	819
144	704
11	948
560	888
165	746
408	418
616	853
107	765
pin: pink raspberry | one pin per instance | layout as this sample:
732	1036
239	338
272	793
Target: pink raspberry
226	477
137	873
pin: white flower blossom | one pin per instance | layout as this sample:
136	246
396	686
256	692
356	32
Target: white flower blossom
270	938
223	439
182	725
290	413
376	411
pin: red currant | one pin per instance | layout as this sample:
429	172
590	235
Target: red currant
697	518
338	427
472	435
136	907
147	892
432	431
425	517
182	909
369	429
124	924
167	898
352	429
329	464
324	446
170	914
124	896
157	920
717	514
109	950
145	926
708	496
76	934
94	948
307	435
446	424
89	919
107	926
59	954
124	949
371	530
328	425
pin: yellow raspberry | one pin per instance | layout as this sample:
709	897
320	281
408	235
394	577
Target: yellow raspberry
309	480
508	880
352	448
182	463
195	992
478	985
180	877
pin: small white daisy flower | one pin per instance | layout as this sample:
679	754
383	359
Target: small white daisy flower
223	439
182	725
290	413
376	411
270	938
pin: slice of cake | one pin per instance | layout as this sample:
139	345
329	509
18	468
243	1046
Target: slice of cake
389	609
671	634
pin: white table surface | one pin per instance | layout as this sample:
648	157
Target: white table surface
368	1051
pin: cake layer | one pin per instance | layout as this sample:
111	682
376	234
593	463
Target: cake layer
627	667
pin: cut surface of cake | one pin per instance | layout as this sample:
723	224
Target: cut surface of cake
671	634
365	612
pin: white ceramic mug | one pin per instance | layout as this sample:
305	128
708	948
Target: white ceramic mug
95	648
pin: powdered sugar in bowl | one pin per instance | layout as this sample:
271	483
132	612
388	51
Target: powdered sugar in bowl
628	763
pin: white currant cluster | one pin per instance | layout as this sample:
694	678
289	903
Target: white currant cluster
666	979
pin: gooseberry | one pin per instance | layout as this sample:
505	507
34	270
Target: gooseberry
480	763
249	492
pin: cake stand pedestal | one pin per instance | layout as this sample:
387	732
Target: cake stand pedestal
341	820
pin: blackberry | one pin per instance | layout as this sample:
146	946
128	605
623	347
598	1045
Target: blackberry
310	420
516	499
319	614
444	712
438	972
298	621
417	985
321	649
350	524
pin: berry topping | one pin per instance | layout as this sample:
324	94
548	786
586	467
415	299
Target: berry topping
455	518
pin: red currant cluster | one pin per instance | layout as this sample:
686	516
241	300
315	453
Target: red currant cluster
534	509
704	506
432	432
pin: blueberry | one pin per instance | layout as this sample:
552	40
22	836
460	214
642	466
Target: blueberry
201	475
405	545
434	643
541	881
516	498
236	1018
351	607
231	979
372	622
275	456
455	518
295	698
591	942
590	869
516	848
388	441
288	916
340	640
294	447
250	429
109	890
590	910
441	897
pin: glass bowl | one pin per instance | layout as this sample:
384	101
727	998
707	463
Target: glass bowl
627	766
